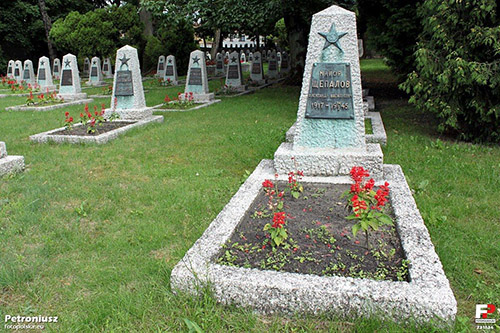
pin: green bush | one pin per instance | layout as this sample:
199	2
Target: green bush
458	61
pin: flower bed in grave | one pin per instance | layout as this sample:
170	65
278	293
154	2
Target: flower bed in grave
424	294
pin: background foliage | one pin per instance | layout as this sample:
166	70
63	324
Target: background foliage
458	68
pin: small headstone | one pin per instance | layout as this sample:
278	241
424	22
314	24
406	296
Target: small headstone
29	73
44	75
208	56
243	57
69	86
256	74
226	55
250	57
107	69
272	69
56	68
197	81
361	50
219	65
234	76
86	66
160	67
278	57
285	63
95	77
10	69
268	54
171	71
128	99
18	71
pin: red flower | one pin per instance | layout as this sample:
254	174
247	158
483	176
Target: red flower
358	173
279	219
81	115
96	113
268	184
70	119
66	113
167	99
86	108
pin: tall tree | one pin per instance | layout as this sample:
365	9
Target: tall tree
47	23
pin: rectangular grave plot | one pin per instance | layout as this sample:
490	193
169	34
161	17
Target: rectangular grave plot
66	78
124	86
256	68
170	70
233	72
195	77
93	72
330	92
41	74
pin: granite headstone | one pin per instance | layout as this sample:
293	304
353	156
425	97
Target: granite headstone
44	75
171	71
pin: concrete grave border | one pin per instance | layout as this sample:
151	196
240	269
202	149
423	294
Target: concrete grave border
49	107
379	135
426	297
98	139
203	105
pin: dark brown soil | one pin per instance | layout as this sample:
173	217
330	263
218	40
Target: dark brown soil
100	129
320	239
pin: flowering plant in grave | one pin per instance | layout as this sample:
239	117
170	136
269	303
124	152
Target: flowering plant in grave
367	204
68	121
167	82
277	231
210	62
108	90
92	121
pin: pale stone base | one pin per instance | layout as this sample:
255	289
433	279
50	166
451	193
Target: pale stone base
130	114
200	98
96	83
49	107
328	161
379	135
73	97
9	164
43	89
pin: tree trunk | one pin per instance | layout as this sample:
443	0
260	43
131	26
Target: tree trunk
147	19
215	44
48	25
298	38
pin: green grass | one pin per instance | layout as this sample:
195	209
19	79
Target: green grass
91	233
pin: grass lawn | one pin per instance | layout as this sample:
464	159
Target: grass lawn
91	233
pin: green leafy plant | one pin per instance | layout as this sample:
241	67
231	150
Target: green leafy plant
367	204
294	178
92	121
68	121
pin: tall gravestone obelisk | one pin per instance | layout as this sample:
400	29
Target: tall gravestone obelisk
160	67
234	75
56	69
44	75
256	70
29	73
330	130
69	86
10	69
18	71
219	64
197	80
107	70
171	71
272	69
95	77
127	100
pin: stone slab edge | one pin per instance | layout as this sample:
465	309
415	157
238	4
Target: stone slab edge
329	161
49	107
99	139
379	135
15	95
9	164
427	297
157	109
